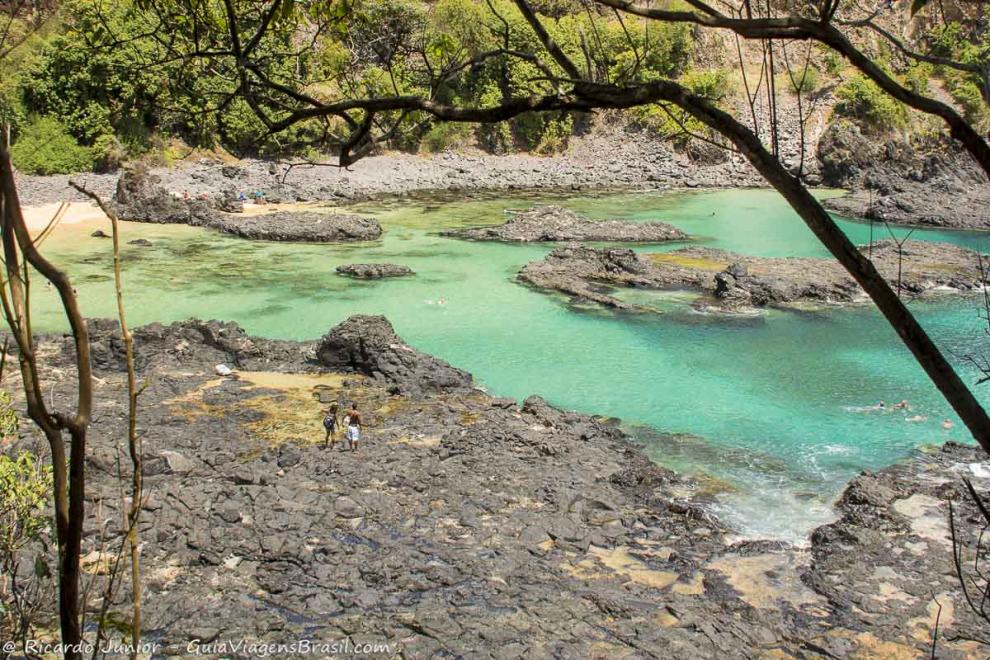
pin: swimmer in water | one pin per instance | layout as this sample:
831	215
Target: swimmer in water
947	424
441	301
903	405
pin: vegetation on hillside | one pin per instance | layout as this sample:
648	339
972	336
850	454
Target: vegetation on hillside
100	85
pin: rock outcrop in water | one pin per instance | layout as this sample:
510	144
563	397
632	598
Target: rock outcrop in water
141	198
374	271
553	223
308	227
733	281
468	525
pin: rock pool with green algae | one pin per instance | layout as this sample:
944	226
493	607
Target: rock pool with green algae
770	405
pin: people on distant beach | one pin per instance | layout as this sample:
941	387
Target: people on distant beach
353	421
947	424
330	420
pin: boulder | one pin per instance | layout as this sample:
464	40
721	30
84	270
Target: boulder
141	197
369	345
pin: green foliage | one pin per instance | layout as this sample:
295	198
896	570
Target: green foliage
671	121
444	136
25	536
916	77
45	147
802	80
25	487
952	41
834	64
556	131
8	418
861	99
118	90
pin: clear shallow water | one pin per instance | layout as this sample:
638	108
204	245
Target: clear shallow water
769	405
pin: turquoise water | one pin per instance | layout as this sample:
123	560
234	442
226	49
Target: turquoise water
767	405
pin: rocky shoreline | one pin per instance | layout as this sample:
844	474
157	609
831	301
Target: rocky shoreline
141	197
468	525
731	282
556	224
922	182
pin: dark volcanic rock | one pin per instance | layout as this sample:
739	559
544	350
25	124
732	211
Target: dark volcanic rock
553	223
734	281
468	527
303	226
921	182
141	197
369	345
374	271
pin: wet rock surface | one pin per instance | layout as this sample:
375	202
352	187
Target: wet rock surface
466	525
930	183
733	281
553	223
374	271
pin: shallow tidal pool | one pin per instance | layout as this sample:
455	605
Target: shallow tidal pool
773	408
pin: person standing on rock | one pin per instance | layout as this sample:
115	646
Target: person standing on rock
330	424
353	427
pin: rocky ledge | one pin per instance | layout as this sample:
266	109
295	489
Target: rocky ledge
374	271
730	281
553	223
471	526
141	198
924	182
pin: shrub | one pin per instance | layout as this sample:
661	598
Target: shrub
556	133
834	64
802	80
443	136
861	99
46	147
25	535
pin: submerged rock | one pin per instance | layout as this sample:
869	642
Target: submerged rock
374	271
553	223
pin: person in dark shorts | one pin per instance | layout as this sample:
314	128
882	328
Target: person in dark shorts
353	427
330	424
